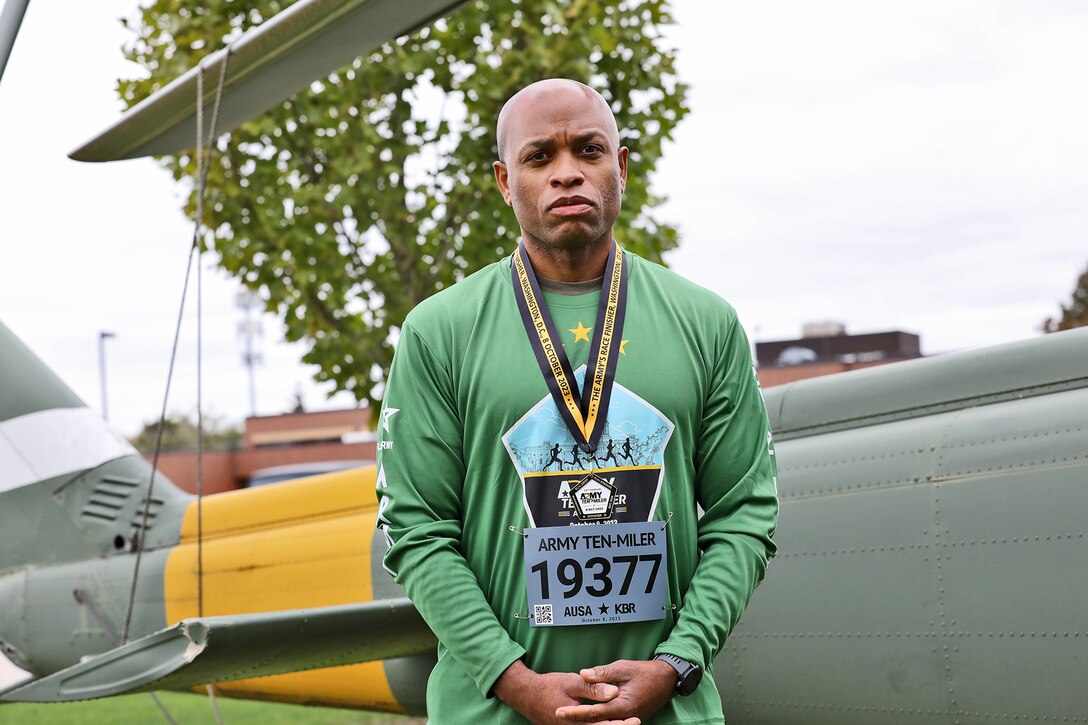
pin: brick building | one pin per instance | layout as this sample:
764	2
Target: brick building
276	440
825	349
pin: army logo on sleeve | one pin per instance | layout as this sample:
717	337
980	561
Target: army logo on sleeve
628	463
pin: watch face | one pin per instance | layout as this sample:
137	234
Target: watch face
690	680
688	675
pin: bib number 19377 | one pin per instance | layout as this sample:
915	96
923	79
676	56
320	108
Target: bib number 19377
599	574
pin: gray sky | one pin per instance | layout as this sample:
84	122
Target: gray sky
918	166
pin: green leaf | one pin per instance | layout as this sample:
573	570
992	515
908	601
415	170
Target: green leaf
340	220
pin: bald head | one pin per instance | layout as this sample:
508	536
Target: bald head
552	90
563	171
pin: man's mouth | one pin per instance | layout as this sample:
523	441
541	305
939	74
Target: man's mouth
570	206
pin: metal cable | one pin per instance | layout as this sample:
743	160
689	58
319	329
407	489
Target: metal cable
215	704
111	634
202	167
203	163
142	528
165	712
200	160
203	157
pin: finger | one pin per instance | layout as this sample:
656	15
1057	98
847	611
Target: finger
592	714
599	691
601	673
586	713
616	672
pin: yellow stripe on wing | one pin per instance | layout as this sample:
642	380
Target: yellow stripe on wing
294	545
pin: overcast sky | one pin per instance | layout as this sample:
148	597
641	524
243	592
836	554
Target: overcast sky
920	166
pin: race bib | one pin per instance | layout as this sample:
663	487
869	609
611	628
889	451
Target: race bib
596	574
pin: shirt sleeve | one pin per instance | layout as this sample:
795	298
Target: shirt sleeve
421	472
736	486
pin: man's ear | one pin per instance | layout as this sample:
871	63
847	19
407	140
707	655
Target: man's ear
622	158
503	179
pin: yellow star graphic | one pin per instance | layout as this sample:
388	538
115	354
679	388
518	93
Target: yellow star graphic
581	332
622	343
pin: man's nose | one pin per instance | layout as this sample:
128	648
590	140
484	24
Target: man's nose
567	171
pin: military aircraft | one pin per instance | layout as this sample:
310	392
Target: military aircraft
931	568
932	554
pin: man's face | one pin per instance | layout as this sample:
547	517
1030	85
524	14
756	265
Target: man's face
562	172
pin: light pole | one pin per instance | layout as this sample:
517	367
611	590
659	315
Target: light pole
249	328
103	335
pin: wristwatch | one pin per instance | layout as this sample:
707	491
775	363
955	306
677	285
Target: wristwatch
688	674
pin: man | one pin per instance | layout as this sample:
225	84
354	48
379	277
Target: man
596	596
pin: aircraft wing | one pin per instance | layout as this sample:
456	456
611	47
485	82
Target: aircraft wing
214	649
268	64
11	17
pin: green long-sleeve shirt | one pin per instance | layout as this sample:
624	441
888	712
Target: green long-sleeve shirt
471	444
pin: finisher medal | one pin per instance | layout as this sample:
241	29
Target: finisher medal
594	498
584	414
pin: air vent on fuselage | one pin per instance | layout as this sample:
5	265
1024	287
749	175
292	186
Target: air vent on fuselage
108	498
152	513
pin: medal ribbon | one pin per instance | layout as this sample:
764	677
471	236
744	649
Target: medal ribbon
583	413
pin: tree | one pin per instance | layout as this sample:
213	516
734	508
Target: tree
345	206
1076	313
179	434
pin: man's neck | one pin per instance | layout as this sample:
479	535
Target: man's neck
569	265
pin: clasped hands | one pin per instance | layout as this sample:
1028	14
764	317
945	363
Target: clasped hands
624	692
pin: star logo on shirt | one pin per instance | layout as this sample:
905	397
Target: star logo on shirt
386	415
581	332
622	343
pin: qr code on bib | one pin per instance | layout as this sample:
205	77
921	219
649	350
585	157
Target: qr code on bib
542	613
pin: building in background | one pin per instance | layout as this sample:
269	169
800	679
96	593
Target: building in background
824	348
296	444
269	441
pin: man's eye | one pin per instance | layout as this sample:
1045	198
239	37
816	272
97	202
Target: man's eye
538	156
592	148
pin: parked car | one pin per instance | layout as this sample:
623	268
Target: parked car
276	474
